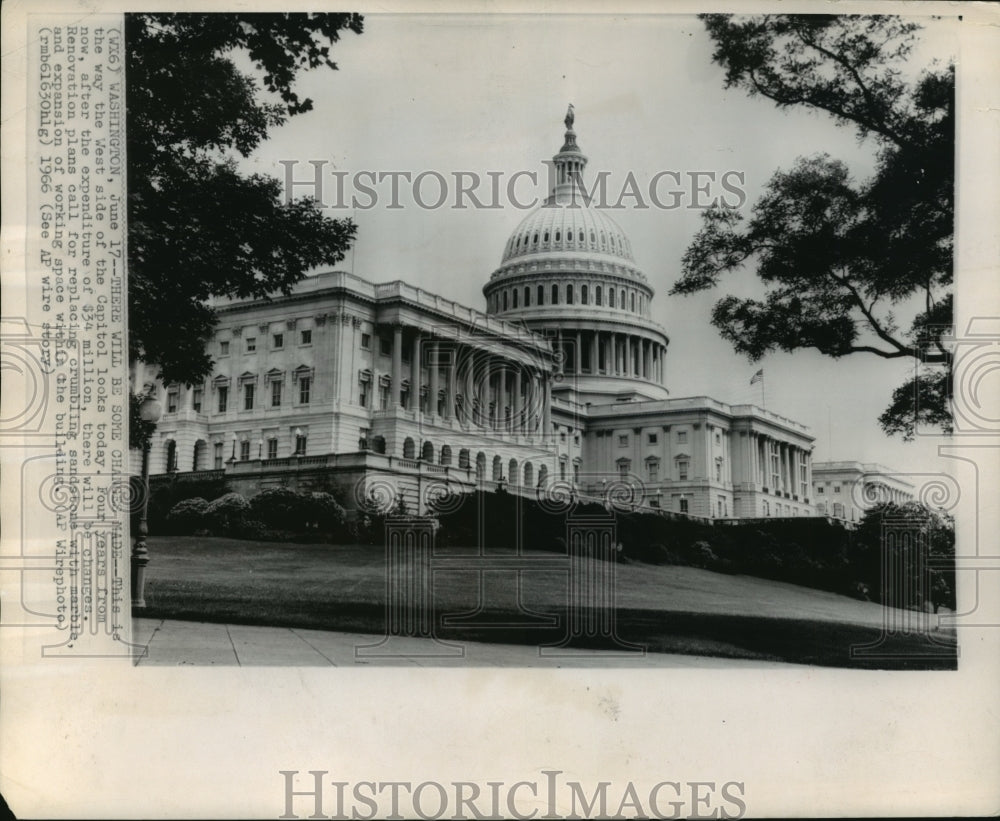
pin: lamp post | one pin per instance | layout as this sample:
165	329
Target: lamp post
260	449
149	411
232	458
298	437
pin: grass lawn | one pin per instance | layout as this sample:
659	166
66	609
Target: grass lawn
665	608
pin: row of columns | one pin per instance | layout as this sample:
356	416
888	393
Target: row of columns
612	354
790	457
479	378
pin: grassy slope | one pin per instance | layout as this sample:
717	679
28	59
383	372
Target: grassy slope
668	609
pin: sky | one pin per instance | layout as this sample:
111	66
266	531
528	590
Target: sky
488	93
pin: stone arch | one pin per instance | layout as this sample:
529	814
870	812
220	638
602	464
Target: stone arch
512	471
427	451
529	474
497	468
409	448
463	458
444	455
200	455
378	444
480	466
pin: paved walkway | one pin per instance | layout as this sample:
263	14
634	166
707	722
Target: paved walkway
170	642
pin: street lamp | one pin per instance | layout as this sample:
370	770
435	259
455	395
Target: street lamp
298	438
149	411
232	458
260	449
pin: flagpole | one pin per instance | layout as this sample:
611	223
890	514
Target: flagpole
763	395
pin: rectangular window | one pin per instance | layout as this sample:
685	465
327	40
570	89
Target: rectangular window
305	385
172	401
623	440
383	397
836	488
300	445
562	436
224	347
275	393
682	437
272	448
385	345
684	505
652	439
718	471
682	470
245	450
306	337
363	394
820	490
251	344
217	455
196	400
366	341
654	471
623	468
278	341
248	397
223	398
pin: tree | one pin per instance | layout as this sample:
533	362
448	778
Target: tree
197	227
838	255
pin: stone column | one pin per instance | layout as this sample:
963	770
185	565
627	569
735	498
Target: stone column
517	409
433	352
561	354
449	404
415	378
546	404
397	366
578	354
613	343
607	354
642	359
595	350
501	423
469	377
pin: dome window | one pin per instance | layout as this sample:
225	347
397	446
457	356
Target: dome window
527	296
558	235
545	238
541	294
597	295
505	300
603	240
593	240
569	294
535	240
583	295
514	297
581	235
611	297
622	303
555	294
633	303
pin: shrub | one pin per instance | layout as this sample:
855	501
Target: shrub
186	516
227	514
278	507
322	511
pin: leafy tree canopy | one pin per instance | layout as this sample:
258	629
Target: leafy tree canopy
197	227
840	255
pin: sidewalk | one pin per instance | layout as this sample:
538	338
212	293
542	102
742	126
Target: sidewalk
170	643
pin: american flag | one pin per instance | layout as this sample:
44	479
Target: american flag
757	377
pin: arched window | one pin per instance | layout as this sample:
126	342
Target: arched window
480	465
529	474
505	300
427	452
171	455
622	303
512	471
445	455
555	294
541	294
584	295
543	475
463	458
611	297
597	294
569	294
409	448
581	235
633	302
514	297
545	238
527	296
558	235
535	240
593	239
378	444
497	468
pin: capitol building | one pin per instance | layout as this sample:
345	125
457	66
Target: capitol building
561	383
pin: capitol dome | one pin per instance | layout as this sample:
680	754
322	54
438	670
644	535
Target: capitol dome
568	270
